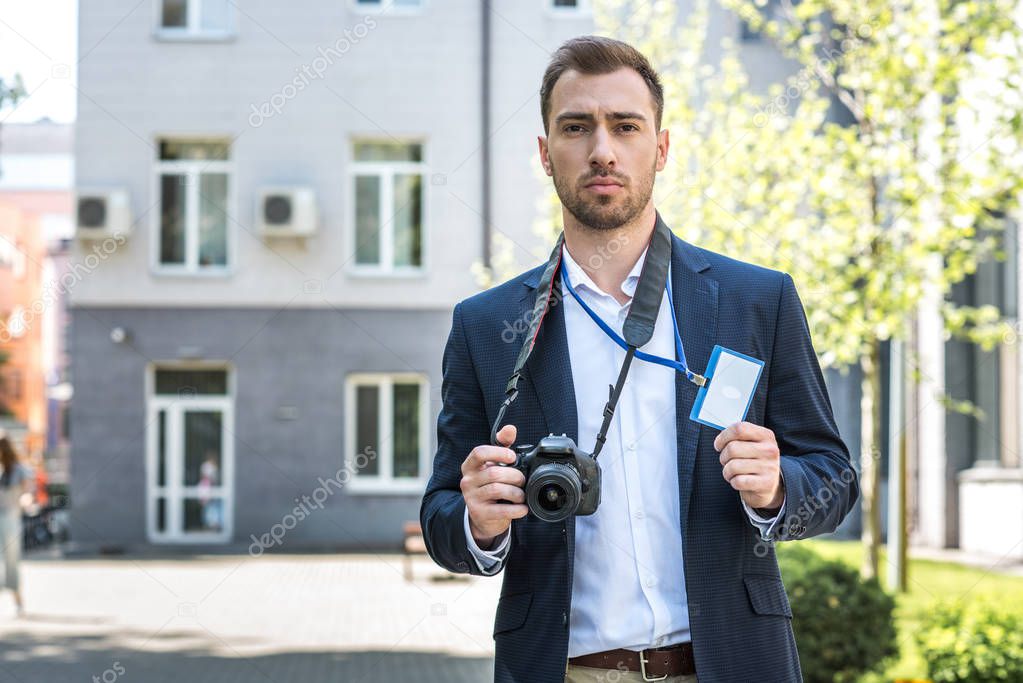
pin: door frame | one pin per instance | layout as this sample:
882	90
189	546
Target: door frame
174	490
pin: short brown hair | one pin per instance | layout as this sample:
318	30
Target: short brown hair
598	55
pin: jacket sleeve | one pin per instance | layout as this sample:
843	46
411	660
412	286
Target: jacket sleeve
821	484
461	426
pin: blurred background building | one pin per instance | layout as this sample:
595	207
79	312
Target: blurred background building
36	186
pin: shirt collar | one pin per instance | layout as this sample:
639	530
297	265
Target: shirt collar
579	277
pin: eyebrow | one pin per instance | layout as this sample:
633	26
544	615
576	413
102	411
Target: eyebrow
584	116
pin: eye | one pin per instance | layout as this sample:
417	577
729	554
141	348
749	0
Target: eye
569	128
633	126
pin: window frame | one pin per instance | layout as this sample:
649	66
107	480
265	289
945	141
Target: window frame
193	169
387	7
583	8
384	481
193	31
386	170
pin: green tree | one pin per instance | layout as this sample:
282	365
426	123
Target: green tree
875	175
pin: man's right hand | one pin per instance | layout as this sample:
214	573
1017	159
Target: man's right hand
484	483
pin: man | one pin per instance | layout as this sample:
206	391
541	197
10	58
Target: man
674	576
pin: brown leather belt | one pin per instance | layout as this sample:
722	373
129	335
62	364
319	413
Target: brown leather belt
655	663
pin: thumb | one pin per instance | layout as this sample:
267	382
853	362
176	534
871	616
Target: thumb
506	435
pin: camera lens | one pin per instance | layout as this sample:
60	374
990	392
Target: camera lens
553	492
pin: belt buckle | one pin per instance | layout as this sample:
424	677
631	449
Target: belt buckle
642	668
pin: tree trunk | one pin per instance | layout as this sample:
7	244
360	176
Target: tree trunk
870	456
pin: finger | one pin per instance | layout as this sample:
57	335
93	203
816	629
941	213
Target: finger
742	431
754	450
481	455
724	438
506	435
506	475
747	482
491	512
741	466
494	491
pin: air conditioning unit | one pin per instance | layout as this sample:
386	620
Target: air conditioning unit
286	211
102	213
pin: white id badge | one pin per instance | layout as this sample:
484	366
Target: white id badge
732	379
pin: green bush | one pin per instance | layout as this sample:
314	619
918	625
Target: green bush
980	643
843	624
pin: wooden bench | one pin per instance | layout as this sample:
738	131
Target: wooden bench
414	545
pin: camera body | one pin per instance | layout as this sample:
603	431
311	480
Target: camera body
561	479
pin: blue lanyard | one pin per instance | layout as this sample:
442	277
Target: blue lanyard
679	364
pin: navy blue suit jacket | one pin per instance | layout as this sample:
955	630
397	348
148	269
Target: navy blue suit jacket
739	612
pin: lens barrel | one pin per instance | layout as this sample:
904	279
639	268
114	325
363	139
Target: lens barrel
554	491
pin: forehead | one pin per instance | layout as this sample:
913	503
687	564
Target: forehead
621	90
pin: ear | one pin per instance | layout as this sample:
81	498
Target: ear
662	149
545	159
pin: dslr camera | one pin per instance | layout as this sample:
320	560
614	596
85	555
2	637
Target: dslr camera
561	480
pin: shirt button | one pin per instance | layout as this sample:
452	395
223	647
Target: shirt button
632	447
638	514
651	582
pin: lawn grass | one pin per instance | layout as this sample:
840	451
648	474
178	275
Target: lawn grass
928	582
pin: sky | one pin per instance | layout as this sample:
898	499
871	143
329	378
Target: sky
38	39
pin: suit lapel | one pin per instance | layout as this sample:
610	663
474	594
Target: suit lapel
696	309
549	368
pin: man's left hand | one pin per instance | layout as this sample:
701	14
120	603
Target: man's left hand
752	464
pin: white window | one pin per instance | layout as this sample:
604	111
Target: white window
388	6
11	256
387	184
193	186
387	435
189	455
195	18
568	7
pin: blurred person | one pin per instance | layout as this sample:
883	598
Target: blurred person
209	476
16	485
673	576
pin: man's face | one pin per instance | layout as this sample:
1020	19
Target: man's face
603	149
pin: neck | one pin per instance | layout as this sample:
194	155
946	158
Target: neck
608	256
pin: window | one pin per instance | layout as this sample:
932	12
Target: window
386	432
195	19
193	184
569	6
389	6
12	257
388	190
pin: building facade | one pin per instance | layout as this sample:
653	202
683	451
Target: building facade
279	206
35	227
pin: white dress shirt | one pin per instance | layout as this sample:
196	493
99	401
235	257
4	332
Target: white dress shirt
628	587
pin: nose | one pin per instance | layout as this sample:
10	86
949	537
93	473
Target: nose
602	153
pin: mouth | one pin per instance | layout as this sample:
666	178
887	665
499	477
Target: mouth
604	186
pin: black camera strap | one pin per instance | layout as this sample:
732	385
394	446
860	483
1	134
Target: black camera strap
637	329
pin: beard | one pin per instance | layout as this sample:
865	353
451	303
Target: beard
605	212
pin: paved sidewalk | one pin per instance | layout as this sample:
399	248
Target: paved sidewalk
283	618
